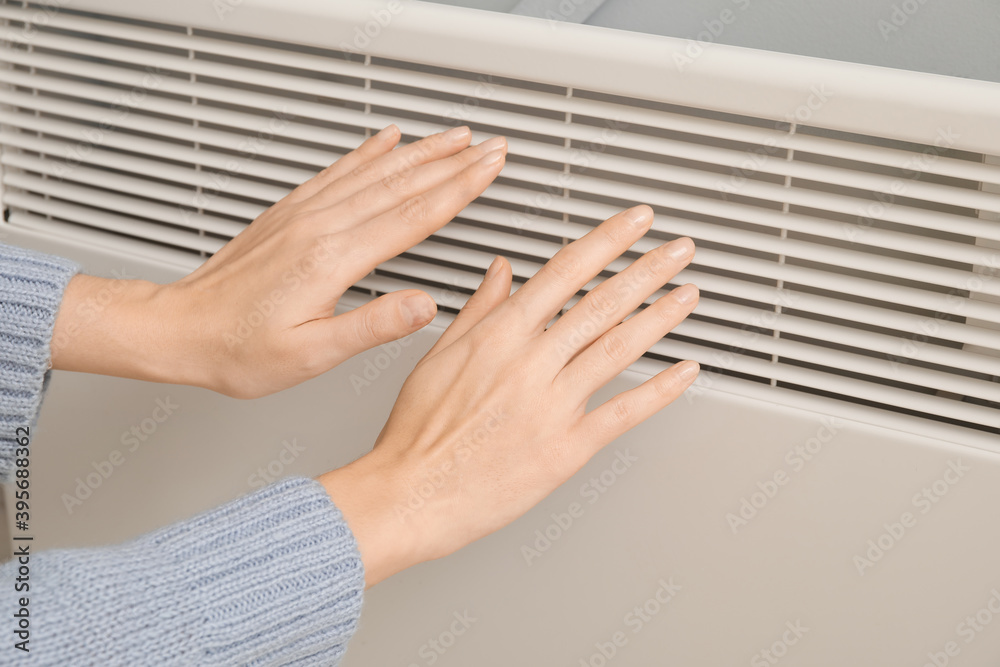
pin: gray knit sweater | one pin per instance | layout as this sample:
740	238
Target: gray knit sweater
273	578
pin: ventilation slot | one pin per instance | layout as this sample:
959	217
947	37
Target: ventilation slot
853	267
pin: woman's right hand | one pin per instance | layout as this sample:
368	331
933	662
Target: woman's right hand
494	417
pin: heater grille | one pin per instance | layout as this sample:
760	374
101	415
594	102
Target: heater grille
854	267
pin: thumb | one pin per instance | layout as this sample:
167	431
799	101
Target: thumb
383	320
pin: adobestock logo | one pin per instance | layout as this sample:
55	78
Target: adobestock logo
635	621
773	654
378	362
870	214
368	32
713	29
272	471
899	16
967	631
42	17
434	648
796	459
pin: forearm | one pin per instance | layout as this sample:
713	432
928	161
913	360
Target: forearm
273	577
125	328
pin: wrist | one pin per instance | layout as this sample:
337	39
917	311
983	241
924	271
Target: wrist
120	327
368	494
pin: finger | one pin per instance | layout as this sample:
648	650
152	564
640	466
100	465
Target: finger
491	293
388	168
630	408
358	170
374	146
398	188
418	217
387	318
617	349
571	268
611	302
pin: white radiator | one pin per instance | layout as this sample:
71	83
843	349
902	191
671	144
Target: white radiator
848	225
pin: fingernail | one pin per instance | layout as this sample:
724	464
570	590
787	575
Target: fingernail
685	294
494	269
456	133
681	248
688	369
492	158
639	215
419	309
385	131
493	144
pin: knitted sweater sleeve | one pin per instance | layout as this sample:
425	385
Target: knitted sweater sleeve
31	289
272	578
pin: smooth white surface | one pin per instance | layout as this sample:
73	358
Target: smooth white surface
664	517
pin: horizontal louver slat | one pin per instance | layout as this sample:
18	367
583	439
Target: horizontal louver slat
826	263
257	54
710	182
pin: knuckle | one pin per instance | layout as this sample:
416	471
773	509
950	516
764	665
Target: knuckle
665	312
424	149
396	182
415	210
366	171
615	235
327	173
666	388
565	268
660	261
373	326
622	411
603	302
619	232
614	347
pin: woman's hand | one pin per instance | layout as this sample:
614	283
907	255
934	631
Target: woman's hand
494	418
257	317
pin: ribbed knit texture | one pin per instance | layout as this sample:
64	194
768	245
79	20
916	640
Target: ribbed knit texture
272	578
31	289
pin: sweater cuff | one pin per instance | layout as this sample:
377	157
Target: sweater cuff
31	290
274	577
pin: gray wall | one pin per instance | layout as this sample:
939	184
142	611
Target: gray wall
957	38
